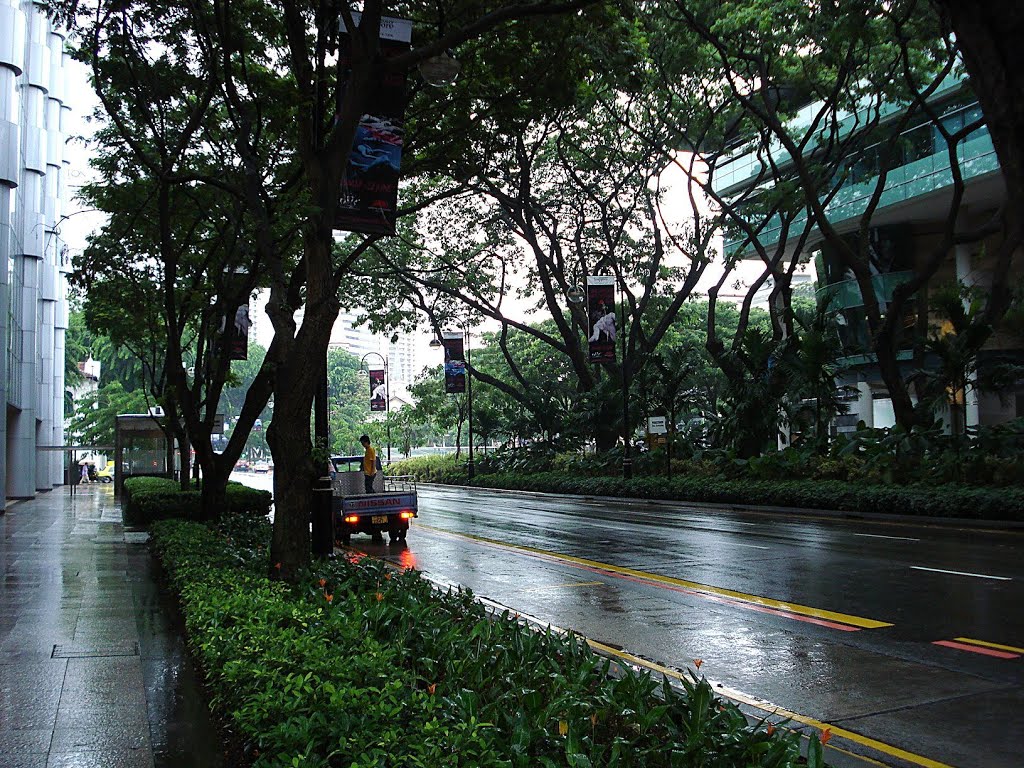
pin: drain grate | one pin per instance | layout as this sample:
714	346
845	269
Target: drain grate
94	651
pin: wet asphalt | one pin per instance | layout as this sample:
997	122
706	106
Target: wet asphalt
906	640
93	668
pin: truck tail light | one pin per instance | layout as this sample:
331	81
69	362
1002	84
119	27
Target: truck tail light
406	514
352	519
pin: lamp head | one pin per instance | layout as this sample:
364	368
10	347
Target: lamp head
440	70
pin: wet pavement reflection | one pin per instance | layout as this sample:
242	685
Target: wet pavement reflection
833	619
93	668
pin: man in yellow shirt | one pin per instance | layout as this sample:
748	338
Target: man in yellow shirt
369	463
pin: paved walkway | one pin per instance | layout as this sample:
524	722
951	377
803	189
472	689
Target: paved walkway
93	670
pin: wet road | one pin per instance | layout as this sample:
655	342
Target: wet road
908	641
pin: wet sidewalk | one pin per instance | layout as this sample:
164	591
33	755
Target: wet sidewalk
93	668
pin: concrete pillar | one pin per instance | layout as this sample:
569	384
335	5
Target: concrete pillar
51	412
965	275
864	407
25	430
12	64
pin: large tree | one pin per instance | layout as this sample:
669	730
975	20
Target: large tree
575	193
267	76
988	35
841	67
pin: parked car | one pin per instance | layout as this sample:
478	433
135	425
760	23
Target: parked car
106	475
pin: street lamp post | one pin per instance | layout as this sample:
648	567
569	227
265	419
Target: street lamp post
575	297
627	459
436	344
322	513
387	394
470	468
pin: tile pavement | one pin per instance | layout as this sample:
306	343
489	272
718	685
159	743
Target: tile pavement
93	670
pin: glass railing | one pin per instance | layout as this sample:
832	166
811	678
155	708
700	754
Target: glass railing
846	294
922	142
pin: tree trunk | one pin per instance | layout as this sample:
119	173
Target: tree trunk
213	500
989	33
293	484
289	435
607	430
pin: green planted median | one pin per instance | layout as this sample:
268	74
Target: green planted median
364	665
769	481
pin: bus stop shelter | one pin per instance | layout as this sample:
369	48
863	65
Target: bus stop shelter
142	448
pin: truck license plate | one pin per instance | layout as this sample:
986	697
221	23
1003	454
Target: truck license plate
379	519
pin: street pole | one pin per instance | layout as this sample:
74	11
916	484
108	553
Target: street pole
387	406
627	459
322	517
437	344
387	394
470	469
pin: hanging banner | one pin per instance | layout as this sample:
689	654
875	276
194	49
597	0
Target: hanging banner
378	391
601	307
232	335
236	337
368	200
454	363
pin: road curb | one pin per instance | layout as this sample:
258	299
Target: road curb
946	522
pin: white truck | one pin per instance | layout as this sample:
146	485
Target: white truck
389	508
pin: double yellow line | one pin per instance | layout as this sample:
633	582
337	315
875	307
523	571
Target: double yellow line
693	586
741	698
874	745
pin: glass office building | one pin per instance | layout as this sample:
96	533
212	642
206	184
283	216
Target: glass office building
33	300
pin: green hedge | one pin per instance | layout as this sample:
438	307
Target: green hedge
146	499
919	499
360	665
426	468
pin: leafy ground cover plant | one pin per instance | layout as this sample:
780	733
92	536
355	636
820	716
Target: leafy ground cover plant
362	665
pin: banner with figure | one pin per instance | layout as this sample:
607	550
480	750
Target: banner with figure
601	307
378	391
368	200
232	334
454	363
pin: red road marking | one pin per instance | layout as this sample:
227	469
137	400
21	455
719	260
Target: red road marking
977	649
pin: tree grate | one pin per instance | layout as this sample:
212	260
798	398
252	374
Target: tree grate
94	651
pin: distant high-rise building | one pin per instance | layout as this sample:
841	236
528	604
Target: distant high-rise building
359	341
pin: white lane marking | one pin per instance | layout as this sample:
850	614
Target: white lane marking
961	573
752	546
879	536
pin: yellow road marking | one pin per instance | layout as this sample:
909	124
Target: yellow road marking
767	602
986	644
573	584
729	693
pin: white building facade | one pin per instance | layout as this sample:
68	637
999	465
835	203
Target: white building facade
359	341
33	296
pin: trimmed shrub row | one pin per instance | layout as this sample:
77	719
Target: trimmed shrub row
147	499
921	499
360	665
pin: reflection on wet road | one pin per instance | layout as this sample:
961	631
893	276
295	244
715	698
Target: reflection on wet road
910	635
